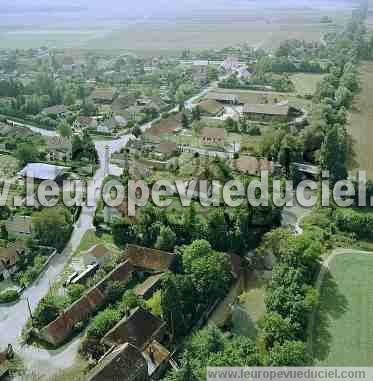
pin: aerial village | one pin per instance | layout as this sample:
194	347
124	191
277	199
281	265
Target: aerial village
132	290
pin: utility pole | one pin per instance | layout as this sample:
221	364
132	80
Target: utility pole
29	309
107	161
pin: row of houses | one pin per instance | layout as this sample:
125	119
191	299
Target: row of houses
136	352
135	260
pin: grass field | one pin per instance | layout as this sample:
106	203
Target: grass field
306	84
360	123
343	334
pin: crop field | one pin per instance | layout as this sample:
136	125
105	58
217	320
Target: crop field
306	84
343	334
360	124
213	28
8	166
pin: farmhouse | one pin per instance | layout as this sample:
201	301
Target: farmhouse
59	148
167	149
59	111
140	328
223	98
103	95
84	122
211	107
267	112
125	363
149	259
165	126
253	166
128	363
213	136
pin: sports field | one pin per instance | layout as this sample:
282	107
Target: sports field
360	123
343	334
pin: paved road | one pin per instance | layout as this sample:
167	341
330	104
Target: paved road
13	318
40	131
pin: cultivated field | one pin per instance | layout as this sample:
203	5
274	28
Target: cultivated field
360	124
8	166
215	27
343	334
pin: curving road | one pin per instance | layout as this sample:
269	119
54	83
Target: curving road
14	317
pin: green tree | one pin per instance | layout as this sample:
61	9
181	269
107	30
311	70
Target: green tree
27	153
65	130
123	232
166	239
103	322
75	291
52	227
185	120
291	353
275	329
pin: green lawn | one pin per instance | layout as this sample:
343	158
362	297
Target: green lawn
306	84
250	308
91	239
343	334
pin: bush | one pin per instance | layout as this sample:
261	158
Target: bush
9	296
357	222
103	322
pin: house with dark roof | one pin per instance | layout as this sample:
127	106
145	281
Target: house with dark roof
128	363
124	363
140	328
267	112
63	326
213	136
144	258
147	288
